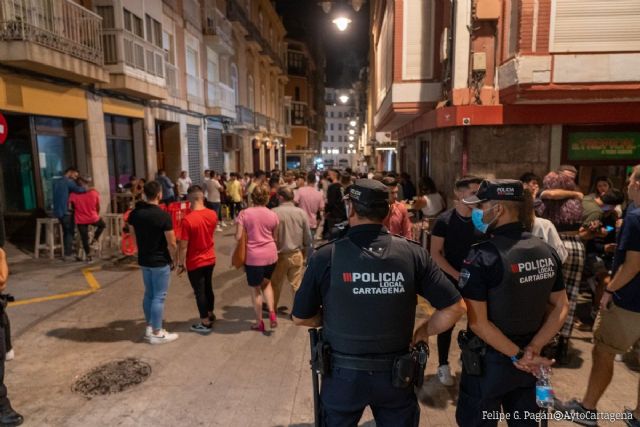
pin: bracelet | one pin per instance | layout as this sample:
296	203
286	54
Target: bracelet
610	292
517	357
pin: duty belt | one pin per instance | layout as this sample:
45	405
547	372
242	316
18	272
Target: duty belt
361	363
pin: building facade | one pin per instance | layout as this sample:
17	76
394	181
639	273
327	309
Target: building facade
128	87
498	88
304	91
339	148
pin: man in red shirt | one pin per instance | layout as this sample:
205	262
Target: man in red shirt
86	211
398	221
197	255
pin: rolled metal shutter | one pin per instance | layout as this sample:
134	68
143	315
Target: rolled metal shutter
195	159
214	150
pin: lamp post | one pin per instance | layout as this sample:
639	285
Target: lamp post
340	11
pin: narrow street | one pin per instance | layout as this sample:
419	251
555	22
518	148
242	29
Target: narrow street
233	377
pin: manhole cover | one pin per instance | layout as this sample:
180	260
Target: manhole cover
112	377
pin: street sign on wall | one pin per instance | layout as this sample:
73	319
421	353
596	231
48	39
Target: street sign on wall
604	146
4	130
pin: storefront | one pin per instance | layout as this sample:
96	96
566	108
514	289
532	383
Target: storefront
601	151
37	150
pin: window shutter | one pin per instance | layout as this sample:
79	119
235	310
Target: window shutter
195	161
417	49
595	25
214	150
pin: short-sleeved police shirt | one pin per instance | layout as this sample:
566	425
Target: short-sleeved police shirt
628	297
432	284
483	270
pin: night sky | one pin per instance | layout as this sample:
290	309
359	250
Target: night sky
346	52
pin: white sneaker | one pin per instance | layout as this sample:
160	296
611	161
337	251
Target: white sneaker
162	337
148	332
10	355
218	228
444	375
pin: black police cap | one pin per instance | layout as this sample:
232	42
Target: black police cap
368	192
499	189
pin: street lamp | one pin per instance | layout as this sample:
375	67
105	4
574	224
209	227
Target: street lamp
352	132
351	138
352	123
342	22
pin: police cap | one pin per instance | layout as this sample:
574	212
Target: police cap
499	189
368	192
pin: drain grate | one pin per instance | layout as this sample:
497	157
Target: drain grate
112	377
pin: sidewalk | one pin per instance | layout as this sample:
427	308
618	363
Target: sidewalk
233	377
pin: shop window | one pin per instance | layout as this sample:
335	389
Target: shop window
120	150
55	154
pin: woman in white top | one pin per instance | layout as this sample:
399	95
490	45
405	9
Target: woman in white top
430	202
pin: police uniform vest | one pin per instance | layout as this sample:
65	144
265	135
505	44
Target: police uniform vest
370	305
517	306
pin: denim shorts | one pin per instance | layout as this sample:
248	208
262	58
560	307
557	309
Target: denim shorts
256	274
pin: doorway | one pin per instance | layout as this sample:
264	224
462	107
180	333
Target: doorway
168	148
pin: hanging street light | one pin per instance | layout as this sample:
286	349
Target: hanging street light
342	22
344	98
352	123
341	11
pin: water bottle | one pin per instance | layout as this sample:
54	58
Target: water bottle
544	391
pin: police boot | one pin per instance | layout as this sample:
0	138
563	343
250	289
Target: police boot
10	418
562	356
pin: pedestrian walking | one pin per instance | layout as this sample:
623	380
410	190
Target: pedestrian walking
513	287
452	237
213	190
261	226
617	327
234	190
62	187
310	200
294	242
184	182
367	328
8	416
86	210
198	257
156	241
335	211
398	221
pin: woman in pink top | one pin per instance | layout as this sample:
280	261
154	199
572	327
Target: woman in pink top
261	226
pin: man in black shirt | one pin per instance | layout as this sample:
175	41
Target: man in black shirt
451	239
157	247
362	289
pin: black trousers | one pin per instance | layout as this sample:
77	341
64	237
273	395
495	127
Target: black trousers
236	207
200	280
6	325
444	344
83	229
4	400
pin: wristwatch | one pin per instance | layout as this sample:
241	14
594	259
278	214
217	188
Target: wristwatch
518	356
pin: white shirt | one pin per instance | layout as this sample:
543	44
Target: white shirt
183	185
544	229
213	187
435	205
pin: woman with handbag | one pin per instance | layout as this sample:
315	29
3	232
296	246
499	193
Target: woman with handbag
259	226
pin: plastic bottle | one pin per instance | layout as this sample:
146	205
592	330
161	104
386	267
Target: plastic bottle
544	390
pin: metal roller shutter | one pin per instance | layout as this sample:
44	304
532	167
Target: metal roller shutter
214	150
195	158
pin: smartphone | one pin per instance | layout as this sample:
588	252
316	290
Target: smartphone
609	228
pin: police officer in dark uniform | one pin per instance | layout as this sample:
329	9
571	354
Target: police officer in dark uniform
514	291
362	289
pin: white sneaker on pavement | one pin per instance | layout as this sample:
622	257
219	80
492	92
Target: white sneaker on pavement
148	332
162	337
10	355
444	375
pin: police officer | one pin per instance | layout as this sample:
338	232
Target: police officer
514	291
362	290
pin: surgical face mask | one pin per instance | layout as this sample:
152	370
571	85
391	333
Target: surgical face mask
477	218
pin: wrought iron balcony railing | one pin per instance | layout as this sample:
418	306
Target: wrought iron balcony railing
60	25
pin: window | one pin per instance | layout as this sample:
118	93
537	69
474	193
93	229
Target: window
234	82
331	138
339	138
384	50
339	126
331	113
331	126
263	99
418	46
169	48
192	72
120	150
154	31
251	93
133	24
106	12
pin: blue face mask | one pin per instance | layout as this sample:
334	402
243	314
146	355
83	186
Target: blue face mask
477	218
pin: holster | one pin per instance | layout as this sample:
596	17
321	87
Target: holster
472	350
409	369
321	357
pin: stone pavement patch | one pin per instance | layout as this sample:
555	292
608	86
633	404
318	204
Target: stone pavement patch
112	377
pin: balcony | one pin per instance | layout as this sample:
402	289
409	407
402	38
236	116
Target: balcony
217	29
221	100
273	126
236	13
261	122
299	114
244	117
60	39
136	65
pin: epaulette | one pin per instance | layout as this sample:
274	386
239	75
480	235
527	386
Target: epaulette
415	242
327	243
